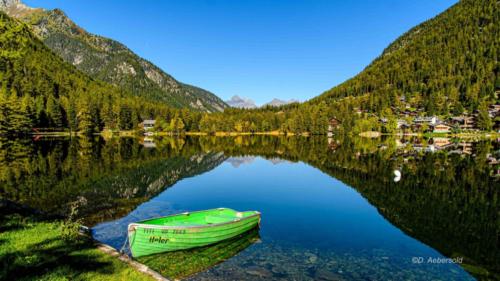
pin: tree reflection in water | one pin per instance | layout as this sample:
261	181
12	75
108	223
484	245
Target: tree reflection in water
448	195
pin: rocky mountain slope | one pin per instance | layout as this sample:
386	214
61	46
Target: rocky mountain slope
108	60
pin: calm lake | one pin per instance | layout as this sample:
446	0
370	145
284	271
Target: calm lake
332	209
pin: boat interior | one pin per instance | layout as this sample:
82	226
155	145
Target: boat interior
208	217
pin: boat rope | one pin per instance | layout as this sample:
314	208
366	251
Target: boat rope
122	250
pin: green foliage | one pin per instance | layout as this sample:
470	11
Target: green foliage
176	125
15	114
391	125
85	119
54	113
85	171
31	246
110	61
70	230
38	89
118	174
125	118
484	121
309	119
366	124
443	65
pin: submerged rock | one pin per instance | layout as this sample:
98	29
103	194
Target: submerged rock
259	271
323	274
311	258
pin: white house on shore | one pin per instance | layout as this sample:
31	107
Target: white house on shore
148	124
431	120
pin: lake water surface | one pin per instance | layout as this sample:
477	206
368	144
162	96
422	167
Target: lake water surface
331	209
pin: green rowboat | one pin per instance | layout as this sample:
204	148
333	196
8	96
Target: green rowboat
188	230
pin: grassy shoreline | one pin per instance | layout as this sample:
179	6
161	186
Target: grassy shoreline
35	248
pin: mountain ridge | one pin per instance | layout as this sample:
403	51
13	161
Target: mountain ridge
445	67
246	103
239	102
448	63
278	102
39	91
109	60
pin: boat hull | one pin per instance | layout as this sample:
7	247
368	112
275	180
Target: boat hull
147	239
178	265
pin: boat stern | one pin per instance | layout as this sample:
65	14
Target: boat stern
131	232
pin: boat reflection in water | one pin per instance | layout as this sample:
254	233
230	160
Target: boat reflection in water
182	264
149	142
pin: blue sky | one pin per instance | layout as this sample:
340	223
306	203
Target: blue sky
255	49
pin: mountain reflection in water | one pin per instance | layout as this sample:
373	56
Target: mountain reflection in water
447	197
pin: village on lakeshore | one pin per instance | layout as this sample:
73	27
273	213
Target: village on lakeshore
414	121
410	121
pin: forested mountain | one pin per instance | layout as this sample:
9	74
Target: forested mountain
446	65
39	89
110	61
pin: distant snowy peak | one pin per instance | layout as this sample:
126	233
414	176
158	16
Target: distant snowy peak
239	102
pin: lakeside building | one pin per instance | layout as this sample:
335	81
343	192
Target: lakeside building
441	142
494	110
463	122
431	120
148	124
441	128
333	124
148	142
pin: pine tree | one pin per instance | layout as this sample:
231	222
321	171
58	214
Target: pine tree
72	116
125	118
27	114
40	114
4	112
18	121
253	127
85	119
54	112
176	124
483	118
27	105
108	115
205	123
96	118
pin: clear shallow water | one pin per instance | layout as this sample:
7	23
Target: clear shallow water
331	208
313	226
